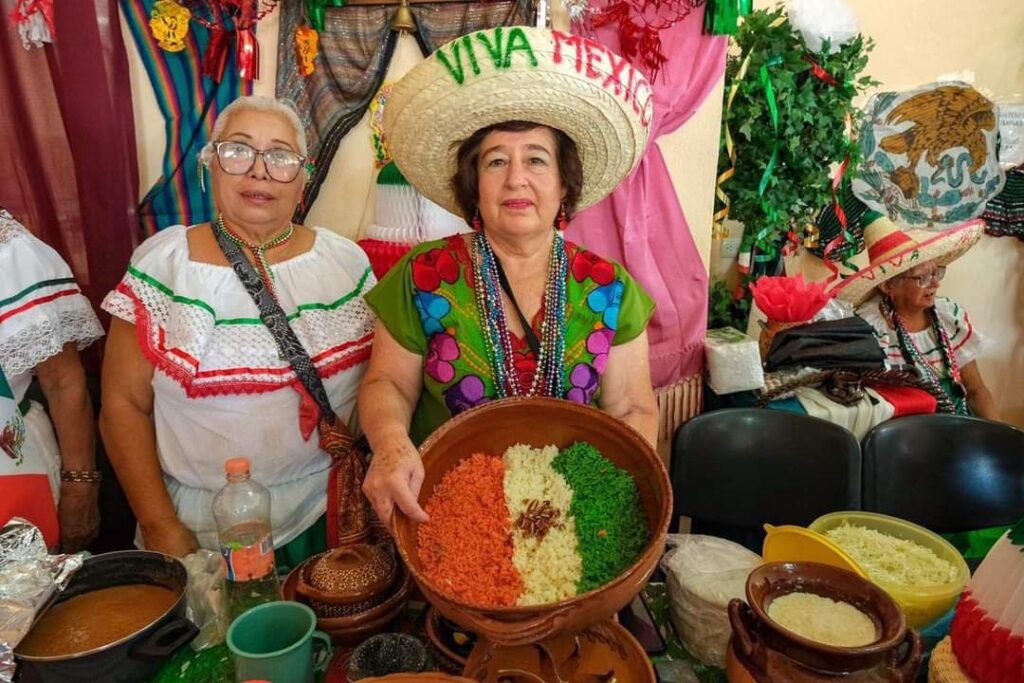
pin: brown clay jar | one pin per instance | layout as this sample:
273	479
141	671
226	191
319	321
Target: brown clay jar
349	579
762	651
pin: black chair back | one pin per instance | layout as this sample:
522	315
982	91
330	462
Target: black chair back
945	472
734	470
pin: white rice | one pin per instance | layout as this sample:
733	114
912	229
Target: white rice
551	566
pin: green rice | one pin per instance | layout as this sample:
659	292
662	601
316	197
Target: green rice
610	524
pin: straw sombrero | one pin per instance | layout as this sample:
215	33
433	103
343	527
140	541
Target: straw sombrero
893	251
519	73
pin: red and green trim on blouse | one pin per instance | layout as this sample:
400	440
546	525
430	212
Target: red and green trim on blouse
427	303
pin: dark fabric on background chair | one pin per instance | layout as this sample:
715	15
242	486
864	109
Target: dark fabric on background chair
848	343
735	470
945	472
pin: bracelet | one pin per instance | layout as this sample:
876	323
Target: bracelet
82	476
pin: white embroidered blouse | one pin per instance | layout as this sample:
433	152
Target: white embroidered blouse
220	388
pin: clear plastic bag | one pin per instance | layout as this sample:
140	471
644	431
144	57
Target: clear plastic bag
703	574
206	598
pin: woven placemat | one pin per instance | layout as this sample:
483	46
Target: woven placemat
943	667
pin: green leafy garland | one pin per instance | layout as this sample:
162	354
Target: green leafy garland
789	128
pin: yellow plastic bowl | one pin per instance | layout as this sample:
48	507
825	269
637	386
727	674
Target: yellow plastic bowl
789	543
921	604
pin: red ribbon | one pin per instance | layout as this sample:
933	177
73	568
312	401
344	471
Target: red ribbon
247	53
309	412
215	61
820	73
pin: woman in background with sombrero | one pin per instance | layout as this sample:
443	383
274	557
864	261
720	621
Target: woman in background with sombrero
897	294
515	129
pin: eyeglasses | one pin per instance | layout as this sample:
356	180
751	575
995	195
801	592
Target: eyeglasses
238	158
924	281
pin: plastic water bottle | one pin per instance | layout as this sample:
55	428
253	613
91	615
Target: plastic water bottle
242	512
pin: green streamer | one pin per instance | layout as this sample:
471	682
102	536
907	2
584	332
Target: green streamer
722	16
762	242
315	10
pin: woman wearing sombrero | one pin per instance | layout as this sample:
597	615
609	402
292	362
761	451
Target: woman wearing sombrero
515	129
896	293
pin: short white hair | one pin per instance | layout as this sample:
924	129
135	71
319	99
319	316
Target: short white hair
260	103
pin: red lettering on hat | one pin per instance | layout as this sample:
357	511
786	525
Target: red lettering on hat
615	77
594	54
572	40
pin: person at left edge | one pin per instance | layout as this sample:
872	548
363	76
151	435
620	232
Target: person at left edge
48	478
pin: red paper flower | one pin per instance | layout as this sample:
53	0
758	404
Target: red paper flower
586	264
432	267
789	299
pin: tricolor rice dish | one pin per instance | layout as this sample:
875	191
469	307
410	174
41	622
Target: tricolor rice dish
532	526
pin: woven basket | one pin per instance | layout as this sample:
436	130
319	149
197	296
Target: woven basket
943	667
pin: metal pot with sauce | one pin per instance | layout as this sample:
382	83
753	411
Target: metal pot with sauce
156	625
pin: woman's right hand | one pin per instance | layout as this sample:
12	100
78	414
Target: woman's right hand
394	478
171	538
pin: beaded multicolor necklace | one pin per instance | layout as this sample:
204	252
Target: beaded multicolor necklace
956	405
258	251
547	379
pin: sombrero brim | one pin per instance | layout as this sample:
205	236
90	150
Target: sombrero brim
945	247
603	104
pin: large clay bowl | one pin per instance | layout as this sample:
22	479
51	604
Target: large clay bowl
604	651
538	422
429	677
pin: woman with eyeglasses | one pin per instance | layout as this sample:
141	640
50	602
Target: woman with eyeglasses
897	293
193	375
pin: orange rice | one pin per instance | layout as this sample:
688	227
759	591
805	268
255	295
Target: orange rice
466	547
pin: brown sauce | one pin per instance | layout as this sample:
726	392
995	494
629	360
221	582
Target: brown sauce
95	619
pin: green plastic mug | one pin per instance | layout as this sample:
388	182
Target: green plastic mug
274	642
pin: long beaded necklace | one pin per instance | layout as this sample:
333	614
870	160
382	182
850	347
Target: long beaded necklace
547	379
258	251
956	405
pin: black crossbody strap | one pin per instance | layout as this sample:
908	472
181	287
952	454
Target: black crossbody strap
531	336
277	322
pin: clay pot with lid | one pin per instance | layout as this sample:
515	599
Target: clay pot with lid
761	650
348	580
538	422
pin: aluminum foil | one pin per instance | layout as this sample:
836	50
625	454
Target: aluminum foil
29	579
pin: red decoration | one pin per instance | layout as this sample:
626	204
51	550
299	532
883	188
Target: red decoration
227	19
640	23
34	21
788	299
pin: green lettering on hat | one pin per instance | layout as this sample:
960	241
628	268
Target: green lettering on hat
455	66
493	49
517	41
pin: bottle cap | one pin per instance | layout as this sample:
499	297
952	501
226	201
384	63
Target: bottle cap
237	466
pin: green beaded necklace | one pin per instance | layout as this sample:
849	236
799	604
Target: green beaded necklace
258	251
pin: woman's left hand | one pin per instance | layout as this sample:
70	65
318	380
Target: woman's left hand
79	514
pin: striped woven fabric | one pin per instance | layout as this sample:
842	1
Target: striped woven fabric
355	50
189	102
1004	213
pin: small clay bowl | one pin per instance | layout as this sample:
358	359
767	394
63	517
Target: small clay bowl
349	575
352	630
760	643
437	634
387	653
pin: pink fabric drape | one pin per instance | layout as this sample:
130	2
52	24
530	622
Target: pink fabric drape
642	225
